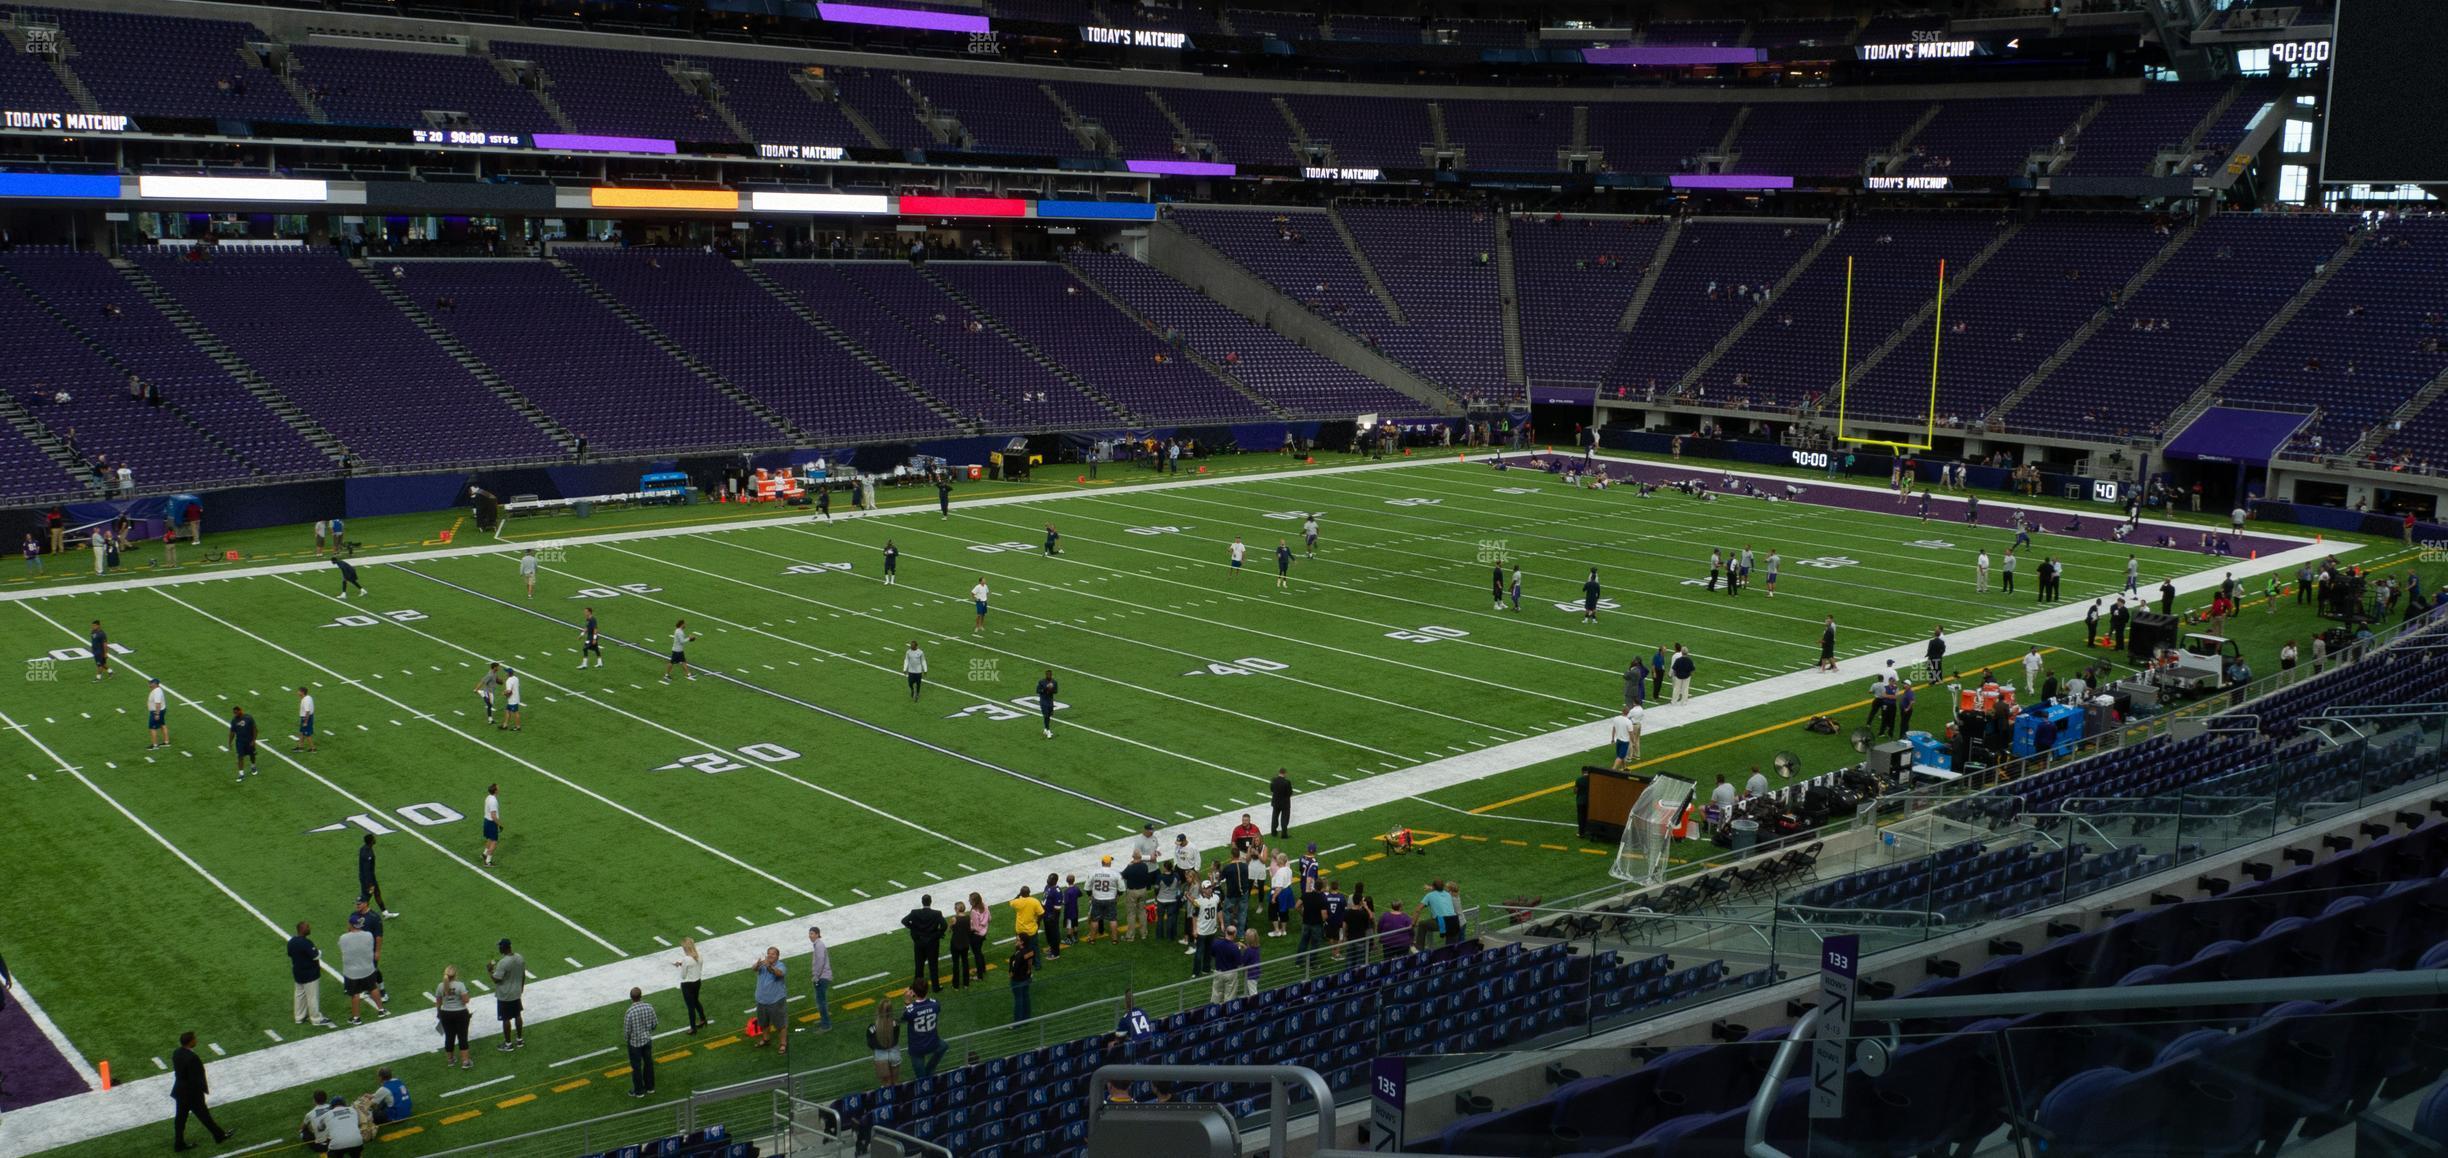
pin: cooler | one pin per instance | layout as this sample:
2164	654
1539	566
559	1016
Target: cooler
1746	834
1929	750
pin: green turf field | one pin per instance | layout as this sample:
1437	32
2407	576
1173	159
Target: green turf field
795	775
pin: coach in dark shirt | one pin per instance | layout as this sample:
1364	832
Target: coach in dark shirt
187	1089
926	930
1279	811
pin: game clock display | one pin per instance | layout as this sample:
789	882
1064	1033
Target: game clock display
2299	52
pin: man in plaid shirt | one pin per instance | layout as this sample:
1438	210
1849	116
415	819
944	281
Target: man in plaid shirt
638	1029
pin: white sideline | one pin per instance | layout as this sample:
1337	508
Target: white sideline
301	1062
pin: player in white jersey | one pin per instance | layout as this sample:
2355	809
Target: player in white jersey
157	716
1239	552
679	652
1309	533
527	570
1980	572
510	701
977	595
305	733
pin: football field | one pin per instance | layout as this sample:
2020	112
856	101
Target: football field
796	776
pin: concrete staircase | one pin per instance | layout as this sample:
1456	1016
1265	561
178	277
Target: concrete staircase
212	346
53	446
1758	311
1580	129
817	91
1181	128
14	32
2421	401
1649	277
866	357
1091	136
1901	147
552	108
1917	324
1368	273
2201	128
298	93
2082	334
702	85
458	351
629	317
1301	142
1194	263
1508	302
1030	348
1220	370
1725	144
945	127
170	401
2207	395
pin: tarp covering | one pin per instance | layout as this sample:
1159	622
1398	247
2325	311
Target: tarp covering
2229	434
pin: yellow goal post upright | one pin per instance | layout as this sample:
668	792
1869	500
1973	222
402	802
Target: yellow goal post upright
1844	371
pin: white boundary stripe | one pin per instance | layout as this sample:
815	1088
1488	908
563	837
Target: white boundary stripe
158	838
578	694
59	1041
477	1086
411	830
77	1118
511	548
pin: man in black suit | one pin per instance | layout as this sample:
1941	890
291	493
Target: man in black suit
926	929
187	1090
1279	804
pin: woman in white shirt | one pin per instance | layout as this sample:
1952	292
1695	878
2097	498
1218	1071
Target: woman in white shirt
1280	894
692	979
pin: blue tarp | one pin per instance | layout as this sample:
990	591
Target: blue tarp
2229	434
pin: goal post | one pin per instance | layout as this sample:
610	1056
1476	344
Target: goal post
1844	372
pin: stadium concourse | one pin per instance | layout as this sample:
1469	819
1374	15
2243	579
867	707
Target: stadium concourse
136	1103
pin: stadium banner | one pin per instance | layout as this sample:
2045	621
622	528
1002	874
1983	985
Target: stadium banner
591	143
449	196
1135	37
1098	210
717	200
1672	55
1182	168
79	185
915	18
776	201
158	185
915	206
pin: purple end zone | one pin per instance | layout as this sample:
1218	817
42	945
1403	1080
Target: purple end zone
1995	507
30	1065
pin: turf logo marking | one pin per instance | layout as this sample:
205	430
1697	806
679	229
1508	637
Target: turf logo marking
1247	665
1603	604
1828	562
616	592
355	620
1428	634
1414	501
986	670
42	670
999	548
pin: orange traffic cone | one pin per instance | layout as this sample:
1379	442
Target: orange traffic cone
1309	460
752	1029
446	535
1082	478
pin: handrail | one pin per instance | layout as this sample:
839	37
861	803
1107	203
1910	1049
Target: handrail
1277	1078
1755	1122
2102	999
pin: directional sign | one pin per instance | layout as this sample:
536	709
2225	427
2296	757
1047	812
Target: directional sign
1839	962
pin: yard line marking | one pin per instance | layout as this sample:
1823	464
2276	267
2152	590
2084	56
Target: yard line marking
702	929
1199	658
660	941
277	929
862	892
895	884
1339	848
455	1119
567	1086
520	1100
838	715
514	758
932	874
745	921
273	1142
274	1036
157	1064
582	1057
216	1048
1030	851
966	868
477	1086
573	962
787	912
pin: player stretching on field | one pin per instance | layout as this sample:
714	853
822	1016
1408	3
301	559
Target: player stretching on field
1238	553
1283	565
157	716
590	641
679	652
485	686
1309	534
527	568
977	595
1053	544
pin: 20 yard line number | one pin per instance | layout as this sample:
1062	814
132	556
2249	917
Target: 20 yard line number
717	763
